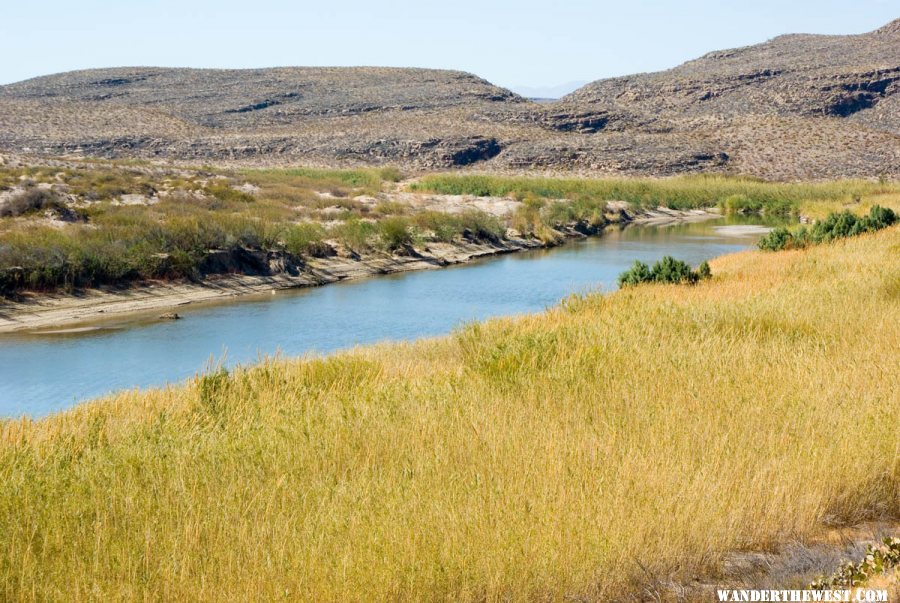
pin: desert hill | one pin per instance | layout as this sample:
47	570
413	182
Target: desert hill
797	106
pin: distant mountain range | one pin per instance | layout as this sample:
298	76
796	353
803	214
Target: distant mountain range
797	106
548	92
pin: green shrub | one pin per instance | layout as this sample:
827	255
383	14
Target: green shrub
881	217
356	234
836	226
637	274
395	233
670	270
775	239
666	270
703	271
305	239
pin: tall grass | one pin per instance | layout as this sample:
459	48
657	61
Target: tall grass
564	455
684	192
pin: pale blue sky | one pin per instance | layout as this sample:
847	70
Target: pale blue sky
522	43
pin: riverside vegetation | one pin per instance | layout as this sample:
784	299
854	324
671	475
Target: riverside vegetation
70	225
835	226
730	194
578	453
113	224
666	270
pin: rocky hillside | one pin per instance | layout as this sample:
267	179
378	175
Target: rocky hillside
282	114
794	106
805	75
240	98
797	106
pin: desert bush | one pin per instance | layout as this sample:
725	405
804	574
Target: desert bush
445	227
98	184
29	201
390	174
878	559
9	177
305	239
390	208
582	210
666	270
528	218
395	233
481	226
683	192
229	194
355	234
172	237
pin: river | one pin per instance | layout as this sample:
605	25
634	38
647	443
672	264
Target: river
44	373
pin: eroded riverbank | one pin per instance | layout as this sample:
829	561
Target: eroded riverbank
72	311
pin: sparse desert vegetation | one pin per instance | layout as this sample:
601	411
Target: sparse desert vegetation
577	453
796	107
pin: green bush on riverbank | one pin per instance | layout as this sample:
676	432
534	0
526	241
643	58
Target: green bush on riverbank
666	270
837	225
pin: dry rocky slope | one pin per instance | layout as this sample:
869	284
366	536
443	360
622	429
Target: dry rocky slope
797	106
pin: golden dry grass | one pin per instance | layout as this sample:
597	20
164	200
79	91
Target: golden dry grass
546	457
